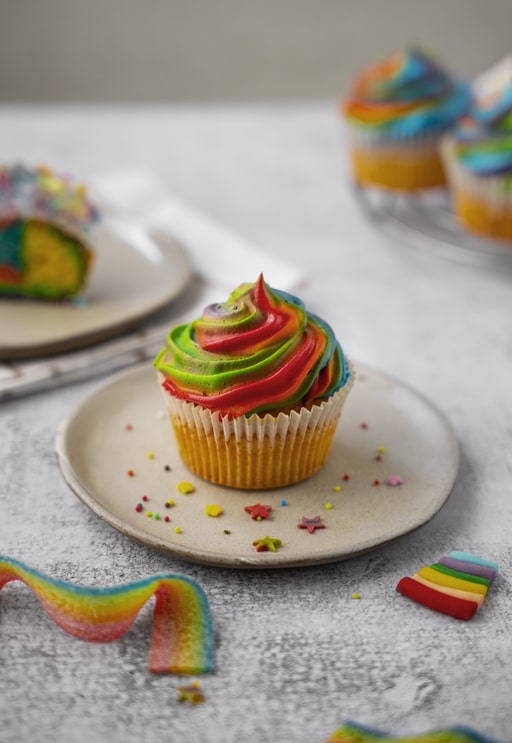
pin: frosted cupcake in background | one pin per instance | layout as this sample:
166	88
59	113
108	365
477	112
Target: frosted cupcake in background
45	221
478	157
396	113
254	389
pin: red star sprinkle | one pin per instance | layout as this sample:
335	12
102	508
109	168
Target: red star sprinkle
310	524
258	511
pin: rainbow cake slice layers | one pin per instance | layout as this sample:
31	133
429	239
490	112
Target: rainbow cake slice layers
456	584
45	233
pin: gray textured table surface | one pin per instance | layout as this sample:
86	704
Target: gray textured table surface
296	654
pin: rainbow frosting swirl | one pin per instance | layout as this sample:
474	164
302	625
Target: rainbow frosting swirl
482	142
259	352
404	96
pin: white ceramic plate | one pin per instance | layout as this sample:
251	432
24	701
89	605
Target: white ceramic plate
134	274
426	221
96	452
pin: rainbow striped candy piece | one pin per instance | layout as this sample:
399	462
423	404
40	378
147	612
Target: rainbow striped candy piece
351	732
182	638
456	584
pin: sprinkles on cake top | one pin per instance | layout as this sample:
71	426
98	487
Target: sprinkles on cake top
42	193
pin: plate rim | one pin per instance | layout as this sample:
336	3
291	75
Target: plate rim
278	561
105	330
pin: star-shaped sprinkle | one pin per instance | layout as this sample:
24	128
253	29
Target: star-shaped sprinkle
311	524
191	694
267	544
258	511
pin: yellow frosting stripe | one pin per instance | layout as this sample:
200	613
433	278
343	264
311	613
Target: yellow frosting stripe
441	579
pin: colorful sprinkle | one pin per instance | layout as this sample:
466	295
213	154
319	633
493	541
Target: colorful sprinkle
226	531
283	502
356	596
167	468
150	455
311	524
156	516
394	481
376	483
139	507
145	498
190	694
177	529
149	514
337	488
185	487
169	503
363	425
266	544
378	458
258	511
130	473
128	427
213	510
346	478
381	449
166	519
328	506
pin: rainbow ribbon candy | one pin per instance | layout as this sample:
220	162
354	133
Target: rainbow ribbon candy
182	638
351	732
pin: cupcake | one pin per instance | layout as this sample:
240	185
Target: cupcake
396	113
478	158
254	389
45	219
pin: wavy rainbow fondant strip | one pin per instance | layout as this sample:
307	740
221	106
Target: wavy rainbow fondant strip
351	732
457	584
182	638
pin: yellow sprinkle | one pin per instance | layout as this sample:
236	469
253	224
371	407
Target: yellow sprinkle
337	488
213	510
177	530
381	449
149	514
328	506
150	455
185	487
356	596
169	503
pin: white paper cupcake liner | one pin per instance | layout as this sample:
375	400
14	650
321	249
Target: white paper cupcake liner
257	451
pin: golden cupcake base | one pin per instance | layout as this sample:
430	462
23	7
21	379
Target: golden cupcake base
477	216
390	168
